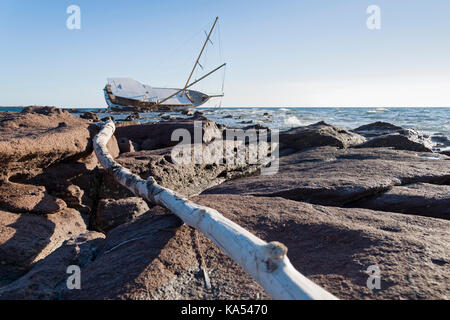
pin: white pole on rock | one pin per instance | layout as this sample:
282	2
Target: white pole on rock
266	262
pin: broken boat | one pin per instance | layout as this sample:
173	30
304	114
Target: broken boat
127	94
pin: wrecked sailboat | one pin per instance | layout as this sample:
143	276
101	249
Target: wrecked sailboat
126	94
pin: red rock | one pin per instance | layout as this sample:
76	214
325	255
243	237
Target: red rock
126	145
21	198
26	239
47	279
76	182
187	179
422	199
399	142
317	135
155	257
339	177
38	137
112	213
155	136
377	128
90	116
334	246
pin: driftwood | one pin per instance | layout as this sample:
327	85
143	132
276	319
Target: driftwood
266	262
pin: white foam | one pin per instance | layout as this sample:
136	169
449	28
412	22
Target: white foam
292	121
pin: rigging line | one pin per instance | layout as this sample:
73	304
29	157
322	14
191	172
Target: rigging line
221	59
223	79
163	63
220	44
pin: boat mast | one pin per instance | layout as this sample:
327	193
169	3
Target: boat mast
199	56
189	85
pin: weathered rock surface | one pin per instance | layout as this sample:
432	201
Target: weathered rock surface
90	116
156	136
133	116
418	198
26	239
39	137
384	134
111	213
399	142
47	280
76	182
126	145
340	177
149	254
319	134
378	128
156	257
188	178
335	246
20	198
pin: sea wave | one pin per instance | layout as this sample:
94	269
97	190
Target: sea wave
292	121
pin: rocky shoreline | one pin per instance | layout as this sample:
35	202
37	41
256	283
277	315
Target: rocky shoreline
342	200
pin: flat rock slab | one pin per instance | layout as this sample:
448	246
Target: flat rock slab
339	177
417	198
156	257
26	239
47	280
335	246
159	135
317	135
38	137
399	142
20	198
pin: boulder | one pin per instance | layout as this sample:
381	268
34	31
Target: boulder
339	177
90	116
188	178
417	198
26	239
47	280
75	182
133	116
113	147
159	135
112	213
384	134
441	141
21	198
39	137
399	141
334	247
378	128
126	145
319	134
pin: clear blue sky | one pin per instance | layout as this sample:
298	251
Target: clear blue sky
279	53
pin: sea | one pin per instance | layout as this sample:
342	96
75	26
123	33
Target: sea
432	121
